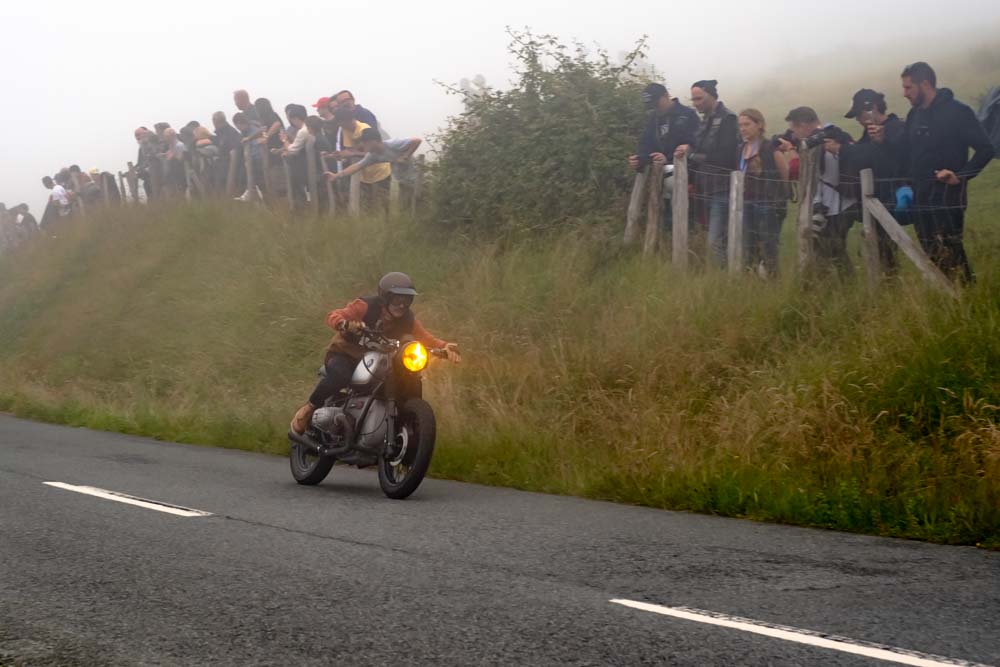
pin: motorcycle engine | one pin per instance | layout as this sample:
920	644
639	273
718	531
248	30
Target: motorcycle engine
324	419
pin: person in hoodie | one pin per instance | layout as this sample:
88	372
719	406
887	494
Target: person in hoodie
881	149
718	142
940	130
670	125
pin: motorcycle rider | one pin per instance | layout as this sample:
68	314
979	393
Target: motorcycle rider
389	313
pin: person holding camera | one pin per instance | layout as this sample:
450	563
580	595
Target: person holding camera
940	130
670	125
718	140
836	203
879	148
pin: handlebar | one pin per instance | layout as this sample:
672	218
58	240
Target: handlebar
368	336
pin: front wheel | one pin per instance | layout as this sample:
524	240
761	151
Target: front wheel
403	466
307	467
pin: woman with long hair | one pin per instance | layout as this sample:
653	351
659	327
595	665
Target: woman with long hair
765	199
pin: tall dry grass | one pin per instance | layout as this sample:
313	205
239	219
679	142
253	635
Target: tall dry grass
589	371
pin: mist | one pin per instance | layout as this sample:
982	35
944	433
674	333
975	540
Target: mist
79	77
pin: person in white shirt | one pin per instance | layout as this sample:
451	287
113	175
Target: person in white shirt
59	197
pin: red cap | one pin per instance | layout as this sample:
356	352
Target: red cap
322	103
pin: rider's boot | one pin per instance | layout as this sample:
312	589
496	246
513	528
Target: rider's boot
300	422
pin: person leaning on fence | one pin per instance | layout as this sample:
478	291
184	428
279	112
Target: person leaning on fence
59	206
711	164
293	144
27	222
146	139
174	176
395	152
227	139
836	203
89	190
250	132
765	193
270	121
670	124
376	177
241	99
322	146
940	130
879	148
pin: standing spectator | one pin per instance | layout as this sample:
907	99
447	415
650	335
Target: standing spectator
940	130
293	150
270	121
345	100
59	206
322	108
250	132
880	148
88	190
670	125
375	178
145	159
175	177
241	99
28	223
717	141
227	139
323	146
765	193
835	205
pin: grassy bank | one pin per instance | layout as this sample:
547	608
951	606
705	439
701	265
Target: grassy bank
588	371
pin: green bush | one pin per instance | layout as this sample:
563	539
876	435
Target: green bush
553	147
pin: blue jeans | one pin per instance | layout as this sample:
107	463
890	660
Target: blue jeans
761	232
717	213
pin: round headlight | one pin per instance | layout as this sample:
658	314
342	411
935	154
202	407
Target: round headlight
414	357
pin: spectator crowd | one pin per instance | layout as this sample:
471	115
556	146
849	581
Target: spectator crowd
921	166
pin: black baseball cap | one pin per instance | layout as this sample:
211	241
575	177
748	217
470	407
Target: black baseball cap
652	93
866	97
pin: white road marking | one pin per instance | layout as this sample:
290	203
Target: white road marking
167	508
800	636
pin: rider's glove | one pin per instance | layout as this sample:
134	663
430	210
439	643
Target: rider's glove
351	326
451	351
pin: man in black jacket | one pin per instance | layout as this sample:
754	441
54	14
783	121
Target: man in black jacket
670	124
718	145
940	130
881	149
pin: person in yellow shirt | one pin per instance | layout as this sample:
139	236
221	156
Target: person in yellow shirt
375	178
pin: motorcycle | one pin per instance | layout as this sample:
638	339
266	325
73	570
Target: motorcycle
381	420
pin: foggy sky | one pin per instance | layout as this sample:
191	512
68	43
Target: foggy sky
78	77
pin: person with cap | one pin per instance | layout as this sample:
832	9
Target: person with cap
718	143
940	131
388	312
879	148
670	124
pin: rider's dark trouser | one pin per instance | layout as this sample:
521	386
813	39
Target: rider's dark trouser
339	369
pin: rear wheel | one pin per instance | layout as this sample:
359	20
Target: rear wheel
403	467
308	467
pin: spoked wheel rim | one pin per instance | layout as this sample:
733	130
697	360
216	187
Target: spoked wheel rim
398	465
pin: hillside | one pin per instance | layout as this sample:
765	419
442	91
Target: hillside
588	371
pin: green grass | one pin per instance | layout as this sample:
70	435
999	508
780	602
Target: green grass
589	371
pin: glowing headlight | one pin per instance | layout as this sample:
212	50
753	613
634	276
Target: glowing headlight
414	357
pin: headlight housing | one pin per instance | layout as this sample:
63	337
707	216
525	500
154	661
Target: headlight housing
414	357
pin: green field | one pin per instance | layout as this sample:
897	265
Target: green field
589	371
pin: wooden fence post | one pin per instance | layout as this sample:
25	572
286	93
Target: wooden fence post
106	187
654	209
734	257
808	177
288	182
75	178
234	156
267	191
927	268
354	198
121	188
133	182
312	180
393	196
680	213
251	176
635	208
330	192
869	237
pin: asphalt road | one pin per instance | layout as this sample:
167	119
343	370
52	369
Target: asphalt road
459	574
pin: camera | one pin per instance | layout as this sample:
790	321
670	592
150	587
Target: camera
788	136
829	132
